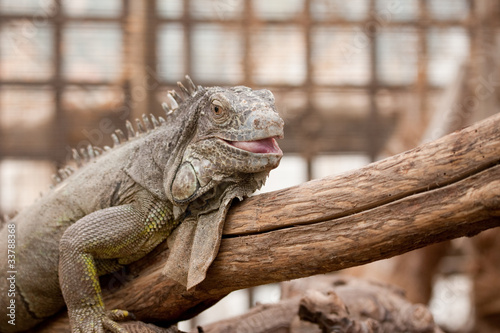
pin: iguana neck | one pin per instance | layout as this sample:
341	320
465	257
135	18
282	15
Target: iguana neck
162	151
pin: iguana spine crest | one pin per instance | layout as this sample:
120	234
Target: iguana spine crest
148	123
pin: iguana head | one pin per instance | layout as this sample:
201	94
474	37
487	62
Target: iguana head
225	146
234	141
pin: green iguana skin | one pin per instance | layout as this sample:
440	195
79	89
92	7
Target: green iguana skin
215	145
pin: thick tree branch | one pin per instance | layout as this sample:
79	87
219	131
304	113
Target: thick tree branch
438	191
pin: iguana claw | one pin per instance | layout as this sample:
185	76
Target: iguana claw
120	315
87	321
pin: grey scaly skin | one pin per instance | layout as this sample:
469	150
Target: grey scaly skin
216	144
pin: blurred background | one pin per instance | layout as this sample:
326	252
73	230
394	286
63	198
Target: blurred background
354	80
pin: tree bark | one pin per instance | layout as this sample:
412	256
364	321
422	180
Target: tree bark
441	190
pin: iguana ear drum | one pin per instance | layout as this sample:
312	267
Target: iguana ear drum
185	183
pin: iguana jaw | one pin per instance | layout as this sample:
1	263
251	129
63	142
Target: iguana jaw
261	146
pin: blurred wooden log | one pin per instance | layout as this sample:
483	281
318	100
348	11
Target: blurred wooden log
346	304
485	272
334	304
441	190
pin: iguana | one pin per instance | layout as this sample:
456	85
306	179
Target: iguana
215	144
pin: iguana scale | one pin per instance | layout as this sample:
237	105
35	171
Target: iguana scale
215	144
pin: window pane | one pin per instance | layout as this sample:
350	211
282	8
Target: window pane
217	54
397	56
328	165
390	10
22	182
171	61
37	7
93	114
348	102
290	103
25	51
92	99
25	120
340	56
92	51
170	8
216	9
92	7
19	111
448	48
278	9
278	55
352	10
449	9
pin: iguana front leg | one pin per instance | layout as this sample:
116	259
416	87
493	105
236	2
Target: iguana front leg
125	233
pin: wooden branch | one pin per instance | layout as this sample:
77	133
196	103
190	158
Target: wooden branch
438	191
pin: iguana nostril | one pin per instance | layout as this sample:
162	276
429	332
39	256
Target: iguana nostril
256	123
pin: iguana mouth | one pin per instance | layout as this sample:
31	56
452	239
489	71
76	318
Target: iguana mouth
262	146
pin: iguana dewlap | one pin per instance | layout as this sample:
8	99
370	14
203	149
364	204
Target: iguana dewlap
214	145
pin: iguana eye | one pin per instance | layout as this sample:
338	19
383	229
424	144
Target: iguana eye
217	107
219	111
